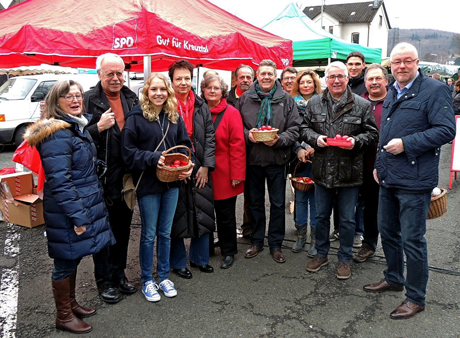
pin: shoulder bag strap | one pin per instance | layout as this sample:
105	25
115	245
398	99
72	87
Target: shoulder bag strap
159	144
219	118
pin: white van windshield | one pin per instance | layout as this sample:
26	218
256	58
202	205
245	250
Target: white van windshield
16	88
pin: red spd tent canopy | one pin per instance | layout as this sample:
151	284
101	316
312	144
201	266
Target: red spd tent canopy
74	33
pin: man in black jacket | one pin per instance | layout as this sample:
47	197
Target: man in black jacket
337	169
265	103
356	68
109	101
244	77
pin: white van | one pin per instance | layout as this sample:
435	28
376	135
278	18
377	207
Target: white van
20	99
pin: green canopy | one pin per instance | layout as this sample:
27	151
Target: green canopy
312	45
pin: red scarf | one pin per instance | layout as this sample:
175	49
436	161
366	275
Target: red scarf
218	109
186	111
238	92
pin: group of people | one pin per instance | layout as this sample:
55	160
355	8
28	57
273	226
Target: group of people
89	141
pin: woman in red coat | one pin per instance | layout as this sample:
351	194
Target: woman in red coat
229	174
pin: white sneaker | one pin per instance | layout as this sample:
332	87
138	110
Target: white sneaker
149	289
168	288
358	242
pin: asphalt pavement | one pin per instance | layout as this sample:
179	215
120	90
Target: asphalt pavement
254	298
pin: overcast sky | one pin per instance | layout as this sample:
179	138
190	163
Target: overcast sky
437	14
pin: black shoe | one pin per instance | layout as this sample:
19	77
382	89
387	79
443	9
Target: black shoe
227	262
125	286
203	268
108	293
184	273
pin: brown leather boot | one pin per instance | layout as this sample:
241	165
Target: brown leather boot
65	318
77	309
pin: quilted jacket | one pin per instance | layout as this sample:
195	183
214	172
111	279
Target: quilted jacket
72	194
423	118
195	208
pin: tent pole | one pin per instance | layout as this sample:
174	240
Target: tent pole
147	66
197	79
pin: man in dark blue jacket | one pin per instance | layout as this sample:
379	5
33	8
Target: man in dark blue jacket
417	119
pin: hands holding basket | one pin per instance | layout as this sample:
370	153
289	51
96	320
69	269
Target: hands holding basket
183	175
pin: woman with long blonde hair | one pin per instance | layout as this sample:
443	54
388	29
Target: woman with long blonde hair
151	128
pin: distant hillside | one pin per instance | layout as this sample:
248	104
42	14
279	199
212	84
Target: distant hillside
432	45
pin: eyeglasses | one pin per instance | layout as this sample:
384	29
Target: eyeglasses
341	77
406	62
216	89
112	74
289	78
70	98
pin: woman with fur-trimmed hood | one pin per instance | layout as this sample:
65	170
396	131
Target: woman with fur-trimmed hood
75	214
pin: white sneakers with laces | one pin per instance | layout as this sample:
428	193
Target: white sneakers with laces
149	289
168	288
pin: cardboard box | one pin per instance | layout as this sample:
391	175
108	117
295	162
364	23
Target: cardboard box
19	205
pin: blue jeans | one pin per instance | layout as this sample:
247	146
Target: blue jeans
346	202
402	225
276	183
199	252
303	199
359	217
63	268
157	213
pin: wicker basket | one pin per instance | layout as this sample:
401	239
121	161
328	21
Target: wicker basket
265	135
168	174
301	186
438	206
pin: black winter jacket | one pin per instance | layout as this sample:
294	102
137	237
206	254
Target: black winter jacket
140	137
195	207
232	99
334	167
457	103
108	143
285	117
72	194
357	84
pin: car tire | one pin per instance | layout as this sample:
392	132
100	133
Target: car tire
19	135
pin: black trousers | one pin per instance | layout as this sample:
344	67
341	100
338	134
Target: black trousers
370	195
226	225
110	262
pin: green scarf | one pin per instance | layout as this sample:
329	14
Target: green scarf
265	116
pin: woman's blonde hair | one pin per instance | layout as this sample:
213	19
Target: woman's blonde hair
295	87
60	89
170	105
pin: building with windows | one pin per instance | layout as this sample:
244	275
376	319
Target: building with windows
364	23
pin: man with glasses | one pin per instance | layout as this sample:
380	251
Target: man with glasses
265	103
109	101
417	119
337	170
287	77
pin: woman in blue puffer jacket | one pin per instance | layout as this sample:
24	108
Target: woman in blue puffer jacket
76	218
